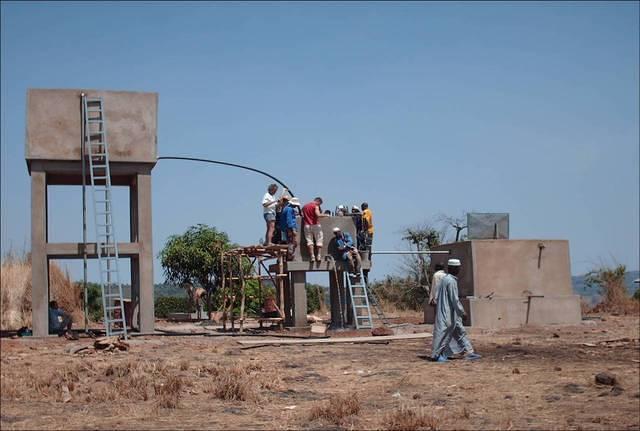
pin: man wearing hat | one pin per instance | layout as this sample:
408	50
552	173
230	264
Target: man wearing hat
350	253
288	224
449	335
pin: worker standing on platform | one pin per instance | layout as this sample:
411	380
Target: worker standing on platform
311	213
449	335
367	224
269	203
288	225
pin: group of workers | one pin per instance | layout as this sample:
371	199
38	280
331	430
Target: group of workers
450	339
282	227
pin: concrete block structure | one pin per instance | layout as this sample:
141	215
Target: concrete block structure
509	283
295	293
53	156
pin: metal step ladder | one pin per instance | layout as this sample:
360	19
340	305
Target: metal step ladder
359	301
97	155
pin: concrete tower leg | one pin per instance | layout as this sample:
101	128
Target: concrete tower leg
39	260
288	303
142	266
336	295
299	298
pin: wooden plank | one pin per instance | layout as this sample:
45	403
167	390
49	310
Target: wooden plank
338	340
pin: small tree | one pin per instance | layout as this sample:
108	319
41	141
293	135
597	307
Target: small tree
195	257
611	283
421	238
458	224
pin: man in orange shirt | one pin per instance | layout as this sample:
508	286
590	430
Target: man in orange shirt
367	224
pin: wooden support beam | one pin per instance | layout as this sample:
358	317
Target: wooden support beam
354	340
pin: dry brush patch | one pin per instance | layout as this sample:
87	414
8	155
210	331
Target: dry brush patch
91	383
410	419
168	392
240	382
338	409
15	291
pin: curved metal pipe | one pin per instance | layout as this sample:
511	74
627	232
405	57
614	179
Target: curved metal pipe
217	162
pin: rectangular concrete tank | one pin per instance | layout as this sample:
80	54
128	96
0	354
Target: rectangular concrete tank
508	283
54	125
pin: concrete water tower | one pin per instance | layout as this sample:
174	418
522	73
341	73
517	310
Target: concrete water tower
53	155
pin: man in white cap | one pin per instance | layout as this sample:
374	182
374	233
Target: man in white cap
350	253
449	336
269	204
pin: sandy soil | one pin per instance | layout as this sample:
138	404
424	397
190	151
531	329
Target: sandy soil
530	378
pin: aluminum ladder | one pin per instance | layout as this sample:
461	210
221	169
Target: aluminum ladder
359	301
97	152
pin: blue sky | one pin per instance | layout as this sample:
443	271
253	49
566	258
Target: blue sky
417	108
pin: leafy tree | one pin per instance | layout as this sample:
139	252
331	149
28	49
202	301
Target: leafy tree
94	300
195	256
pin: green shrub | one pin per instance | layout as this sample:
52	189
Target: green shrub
172	304
315	297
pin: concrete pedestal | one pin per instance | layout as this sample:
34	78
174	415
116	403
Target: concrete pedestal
498	277
53	156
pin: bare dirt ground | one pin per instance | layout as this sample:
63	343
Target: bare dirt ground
530	378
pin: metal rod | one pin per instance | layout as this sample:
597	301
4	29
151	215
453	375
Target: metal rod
84	218
412	252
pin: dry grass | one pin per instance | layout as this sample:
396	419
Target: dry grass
616	299
121	381
168	392
15	291
233	384
337	409
406	419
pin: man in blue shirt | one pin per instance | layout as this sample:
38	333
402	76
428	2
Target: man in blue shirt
350	253
288	225
59	321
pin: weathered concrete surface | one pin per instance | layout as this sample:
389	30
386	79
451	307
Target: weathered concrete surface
299	299
54	124
39	260
498	275
512	312
140	214
458	250
508	268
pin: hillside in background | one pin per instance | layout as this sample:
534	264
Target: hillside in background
593	293
579	287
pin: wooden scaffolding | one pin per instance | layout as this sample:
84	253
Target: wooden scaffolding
242	264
